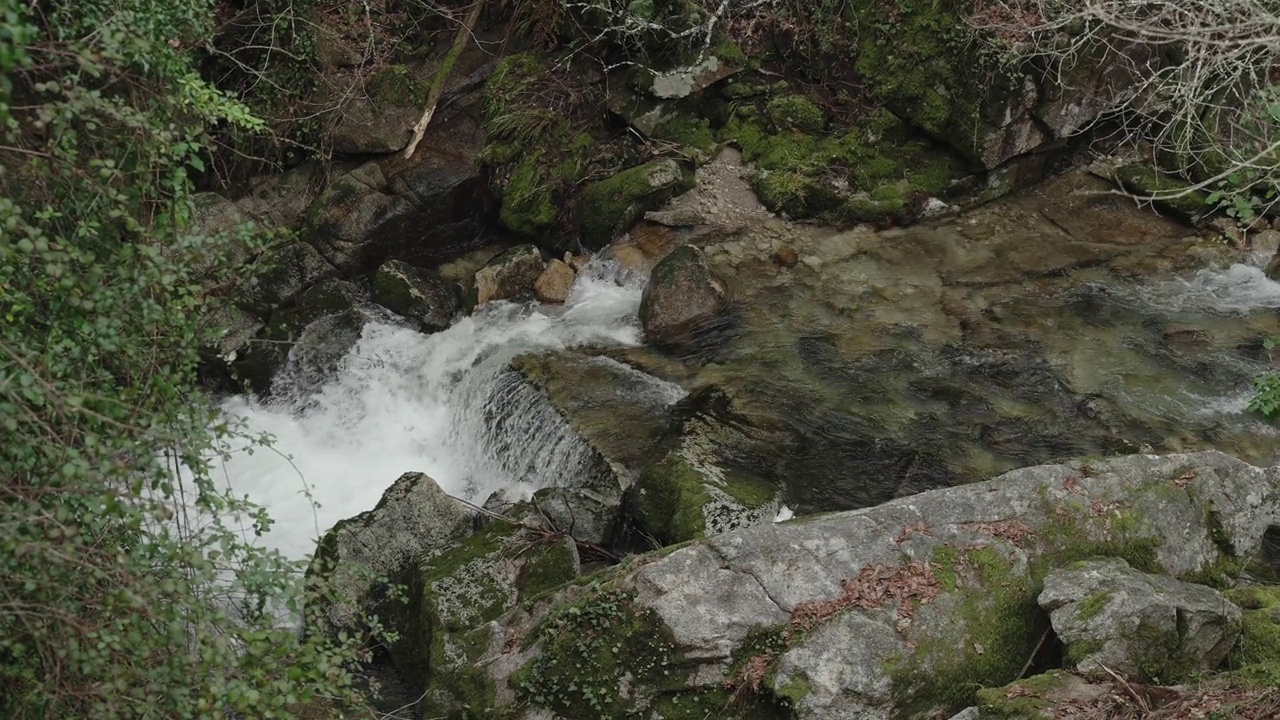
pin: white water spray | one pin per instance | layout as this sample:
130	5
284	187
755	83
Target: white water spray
403	401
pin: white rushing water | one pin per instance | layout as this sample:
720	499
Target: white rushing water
403	401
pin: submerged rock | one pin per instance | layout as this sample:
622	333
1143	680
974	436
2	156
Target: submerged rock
415	293
904	609
414	521
510	276
684	301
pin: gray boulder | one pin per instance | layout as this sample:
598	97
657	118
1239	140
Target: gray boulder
282	200
903	609
510	276
355	223
258	359
317	355
684	300
414	521
1145	626
415	293
280	275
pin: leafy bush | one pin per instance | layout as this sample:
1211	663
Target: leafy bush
124	592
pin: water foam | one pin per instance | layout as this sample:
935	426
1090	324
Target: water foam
1236	289
403	401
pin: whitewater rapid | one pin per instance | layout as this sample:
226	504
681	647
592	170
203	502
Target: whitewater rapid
404	401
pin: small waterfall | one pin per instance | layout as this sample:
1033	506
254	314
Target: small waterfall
403	401
527	438
1237	289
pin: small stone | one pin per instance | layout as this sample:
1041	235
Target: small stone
577	262
786	256
554	284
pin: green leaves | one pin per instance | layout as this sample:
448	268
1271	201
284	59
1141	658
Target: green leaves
128	570
1266	396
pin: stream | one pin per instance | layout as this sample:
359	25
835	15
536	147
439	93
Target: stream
1035	329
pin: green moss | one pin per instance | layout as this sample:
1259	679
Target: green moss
996	611
690	131
794	690
920	58
1078	651
528	201
592	652
1025	699
1072	533
669	499
1094	604
611	206
549	570
795	112
1146	181
1260	634
749	490
396	86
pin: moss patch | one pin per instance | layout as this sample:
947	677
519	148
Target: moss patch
611	206
996	613
594	652
1032	697
1091	606
1145	181
1260	636
538	154
668	501
396	86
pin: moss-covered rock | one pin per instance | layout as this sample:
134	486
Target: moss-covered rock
1034	697
415	293
685	304
611	206
281	274
453	594
1144	181
509	276
674	502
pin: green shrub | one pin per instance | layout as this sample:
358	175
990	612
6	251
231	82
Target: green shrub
123	592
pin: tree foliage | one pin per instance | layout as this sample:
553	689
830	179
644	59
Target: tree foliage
125	590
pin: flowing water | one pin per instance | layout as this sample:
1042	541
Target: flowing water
403	401
1034	330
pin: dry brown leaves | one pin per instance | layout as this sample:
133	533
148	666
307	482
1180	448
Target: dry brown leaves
1185	478
912	529
1131	701
874	586
1014	531
1071	483
750	678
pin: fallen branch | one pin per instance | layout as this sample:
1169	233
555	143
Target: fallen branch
442	75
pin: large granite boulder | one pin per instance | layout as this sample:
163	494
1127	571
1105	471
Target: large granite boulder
685	301
1153	628
414	521
900	610
280	275
355	221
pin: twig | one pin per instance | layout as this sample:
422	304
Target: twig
442	75
1034	652
1141	701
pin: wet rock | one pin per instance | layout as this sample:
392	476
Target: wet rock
619	413
510	276
414	521
378	117
554	284
232	328
447	624
684	300
581	513
681	498
1144	181
261	357
278	276
610	206
1145	626
1272	271
786	256
902	609
415	293
315	358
